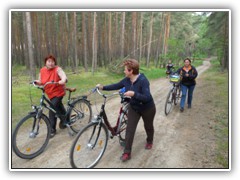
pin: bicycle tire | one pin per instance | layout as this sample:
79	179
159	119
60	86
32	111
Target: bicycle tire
81	113
174	96
25	143
169	102
179	95
123	124
89	146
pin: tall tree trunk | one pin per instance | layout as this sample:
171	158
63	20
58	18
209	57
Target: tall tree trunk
48	33
105	40
30	46
25	46
94	49
116	52
140	43
159	43
69	49
122	34
84	29
150	40
109	37
75	41
166	36
134	25
225	43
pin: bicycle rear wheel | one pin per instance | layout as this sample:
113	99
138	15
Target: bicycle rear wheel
80	115
31	136
89	146
169	102
123	125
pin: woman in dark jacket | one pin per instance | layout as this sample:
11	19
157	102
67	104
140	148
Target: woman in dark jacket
141	104
188	75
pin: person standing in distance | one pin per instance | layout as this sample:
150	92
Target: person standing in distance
188	75
141	104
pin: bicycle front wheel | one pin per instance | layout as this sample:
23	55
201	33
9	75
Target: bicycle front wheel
89	146
169	102
80	115
31	136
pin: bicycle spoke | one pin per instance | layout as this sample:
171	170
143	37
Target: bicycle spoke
80	115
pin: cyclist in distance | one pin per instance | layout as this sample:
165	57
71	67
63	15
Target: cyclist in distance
55	92
141	104
188	75
169	67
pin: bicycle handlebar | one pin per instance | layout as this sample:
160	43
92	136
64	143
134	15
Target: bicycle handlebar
42	87
113	94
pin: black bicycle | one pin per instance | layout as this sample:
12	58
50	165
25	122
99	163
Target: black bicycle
32	133
91	142
174	94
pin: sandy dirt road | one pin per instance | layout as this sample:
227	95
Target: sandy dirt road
181	140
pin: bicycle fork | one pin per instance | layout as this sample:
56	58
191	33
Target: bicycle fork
35	127
98	129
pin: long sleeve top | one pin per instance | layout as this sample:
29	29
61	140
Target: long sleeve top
142	98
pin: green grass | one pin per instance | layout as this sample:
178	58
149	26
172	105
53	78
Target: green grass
220	81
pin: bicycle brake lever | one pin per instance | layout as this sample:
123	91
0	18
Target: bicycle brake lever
93	90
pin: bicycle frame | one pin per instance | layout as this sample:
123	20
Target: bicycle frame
50	106
102	115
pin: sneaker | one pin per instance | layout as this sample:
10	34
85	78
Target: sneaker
53	133
148	145
181	109
125	157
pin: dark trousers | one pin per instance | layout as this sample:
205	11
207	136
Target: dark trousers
133	119
57	102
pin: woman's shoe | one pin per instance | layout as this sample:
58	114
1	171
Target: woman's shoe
148	145
53	133
125	157
181	109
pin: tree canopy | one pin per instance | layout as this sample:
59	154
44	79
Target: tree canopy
105	39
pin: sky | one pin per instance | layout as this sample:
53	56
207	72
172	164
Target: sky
115	4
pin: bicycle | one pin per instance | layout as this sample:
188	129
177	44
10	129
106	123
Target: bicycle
91	142
174	94
32	133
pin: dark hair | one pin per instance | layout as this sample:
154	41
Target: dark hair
188	60
132	64
50	57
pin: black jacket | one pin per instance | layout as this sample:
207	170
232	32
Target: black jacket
190	80
142	98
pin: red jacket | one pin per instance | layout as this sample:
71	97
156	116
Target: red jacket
52	90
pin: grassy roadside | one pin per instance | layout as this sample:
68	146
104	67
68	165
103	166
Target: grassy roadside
218	81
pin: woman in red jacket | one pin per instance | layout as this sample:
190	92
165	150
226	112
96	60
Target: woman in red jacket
55	92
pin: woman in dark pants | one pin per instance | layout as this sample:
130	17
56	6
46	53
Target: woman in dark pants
188	75
141	104
55	92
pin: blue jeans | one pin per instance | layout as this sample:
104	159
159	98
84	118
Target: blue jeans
184	94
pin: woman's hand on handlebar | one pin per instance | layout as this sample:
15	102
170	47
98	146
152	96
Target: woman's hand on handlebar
99	86
129	93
